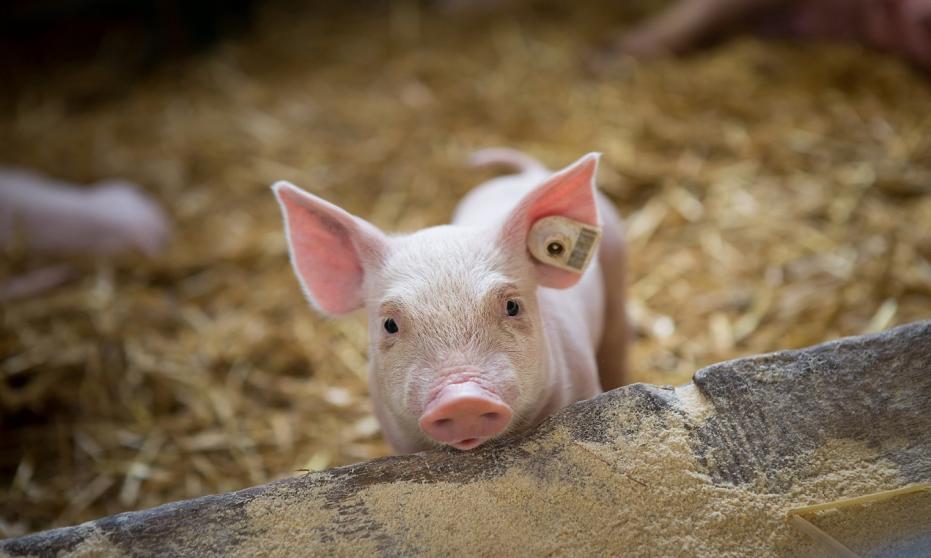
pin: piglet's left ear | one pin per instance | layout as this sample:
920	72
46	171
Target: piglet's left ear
569	193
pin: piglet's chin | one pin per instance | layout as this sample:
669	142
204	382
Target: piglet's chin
468	443
464	415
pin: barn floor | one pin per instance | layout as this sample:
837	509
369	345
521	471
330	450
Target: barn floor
777	195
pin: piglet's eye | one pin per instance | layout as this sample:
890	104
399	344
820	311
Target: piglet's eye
512	307
391	326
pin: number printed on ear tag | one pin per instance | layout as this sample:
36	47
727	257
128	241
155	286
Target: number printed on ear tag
563	243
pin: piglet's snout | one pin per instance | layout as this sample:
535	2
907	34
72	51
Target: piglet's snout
464	415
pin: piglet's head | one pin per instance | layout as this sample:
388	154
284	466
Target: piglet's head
457	350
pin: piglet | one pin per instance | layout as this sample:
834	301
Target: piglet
900	27
471	335
44	215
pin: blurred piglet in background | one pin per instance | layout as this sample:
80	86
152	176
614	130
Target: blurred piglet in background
900	27
485	326
40	215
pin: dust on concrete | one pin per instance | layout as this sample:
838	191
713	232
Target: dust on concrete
645	495
896	527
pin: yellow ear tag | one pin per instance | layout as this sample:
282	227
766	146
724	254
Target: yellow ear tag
563	242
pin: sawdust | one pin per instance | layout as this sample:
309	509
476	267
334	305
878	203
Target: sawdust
294	526
570	498
898	527
94	545
692	401
642	495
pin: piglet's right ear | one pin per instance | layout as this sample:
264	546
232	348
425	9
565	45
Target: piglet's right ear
331	250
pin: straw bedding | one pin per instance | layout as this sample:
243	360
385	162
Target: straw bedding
776	195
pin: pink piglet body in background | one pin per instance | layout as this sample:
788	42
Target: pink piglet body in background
470	336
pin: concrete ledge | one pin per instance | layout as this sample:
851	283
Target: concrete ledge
708	468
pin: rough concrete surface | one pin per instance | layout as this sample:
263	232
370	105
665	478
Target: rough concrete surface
709	468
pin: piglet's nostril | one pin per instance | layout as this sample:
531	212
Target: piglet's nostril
443	422
491	416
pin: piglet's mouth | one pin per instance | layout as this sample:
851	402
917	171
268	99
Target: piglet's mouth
468	443
464	415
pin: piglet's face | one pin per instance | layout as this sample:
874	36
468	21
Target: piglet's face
456	338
